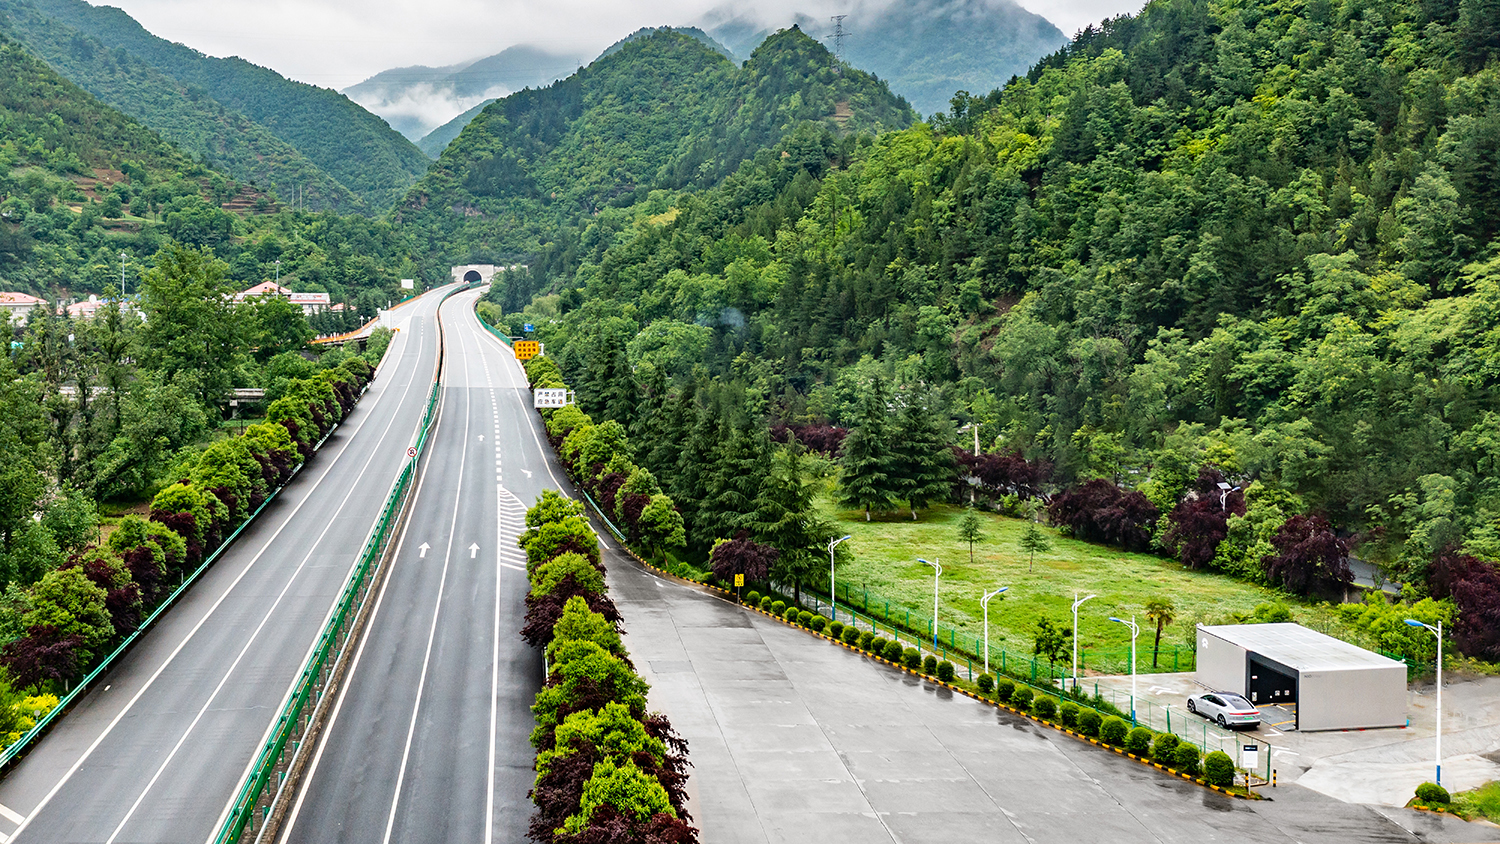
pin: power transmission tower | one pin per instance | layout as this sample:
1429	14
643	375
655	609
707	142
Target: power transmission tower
838	37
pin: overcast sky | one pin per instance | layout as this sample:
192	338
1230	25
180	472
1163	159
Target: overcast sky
336	43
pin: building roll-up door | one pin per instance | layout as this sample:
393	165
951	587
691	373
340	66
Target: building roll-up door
1270	682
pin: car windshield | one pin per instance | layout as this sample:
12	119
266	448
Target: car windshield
1237	702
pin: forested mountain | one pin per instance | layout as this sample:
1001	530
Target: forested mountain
663	112
418	100
1250	243
433	143
353	146
197	124
925	49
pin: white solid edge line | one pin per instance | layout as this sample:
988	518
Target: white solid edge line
189	637
411	728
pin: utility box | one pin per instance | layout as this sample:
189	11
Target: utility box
1329	683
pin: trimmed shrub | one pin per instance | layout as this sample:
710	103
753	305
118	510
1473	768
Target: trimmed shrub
894	652
804	618
1089	723
911	658
865	639
986	684
778	607
752	598
765	603
1004	689
1138	741
1162	750
1218	769
1067	713
945	671
877	645
929	665
1021	698
1431	792
790	613
851	635
1045	707
836	629
1186	759
1113	731
819	622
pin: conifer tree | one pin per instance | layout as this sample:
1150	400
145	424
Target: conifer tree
741	463
785	518
689	484
866	460
924	468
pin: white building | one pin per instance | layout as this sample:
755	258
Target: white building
310	303
17	305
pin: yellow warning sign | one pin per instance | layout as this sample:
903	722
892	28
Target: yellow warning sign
527	349
739	580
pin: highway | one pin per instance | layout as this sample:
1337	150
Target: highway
157	749
428	739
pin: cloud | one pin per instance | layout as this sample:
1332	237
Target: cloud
418	109
337	43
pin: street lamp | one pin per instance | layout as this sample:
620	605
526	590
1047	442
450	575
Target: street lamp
122	275
833	595
985	603
1077	602
278	272
1135	630
1436	631
937	571
1224	490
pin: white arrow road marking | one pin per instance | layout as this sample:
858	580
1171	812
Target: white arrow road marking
473	549
527	471
1272	732
423	548
481	437
1286	753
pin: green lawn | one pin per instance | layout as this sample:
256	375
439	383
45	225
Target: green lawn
884	554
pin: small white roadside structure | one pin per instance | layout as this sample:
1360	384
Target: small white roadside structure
1334	685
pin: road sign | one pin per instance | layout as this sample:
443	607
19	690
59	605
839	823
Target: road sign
739	580
528	328
411	452
408	284
527	349
551	397
1250	756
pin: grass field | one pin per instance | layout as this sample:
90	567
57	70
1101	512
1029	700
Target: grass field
884	554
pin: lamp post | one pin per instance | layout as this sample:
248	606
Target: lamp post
1135	630
1436	631
973	493
1224	490
937	571
985	603
122	275
833	594
278	272
1077	602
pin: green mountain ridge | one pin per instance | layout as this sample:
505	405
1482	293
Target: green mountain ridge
197	124
356	148
433	143
664	111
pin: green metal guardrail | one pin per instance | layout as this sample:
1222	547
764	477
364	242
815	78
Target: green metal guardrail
256	797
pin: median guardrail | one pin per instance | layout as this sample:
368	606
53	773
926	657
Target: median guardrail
258	794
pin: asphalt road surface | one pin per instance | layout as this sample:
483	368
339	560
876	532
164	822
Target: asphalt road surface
157	749
428	740
794	739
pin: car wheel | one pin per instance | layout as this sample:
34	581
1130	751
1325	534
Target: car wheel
1223	723
1193	708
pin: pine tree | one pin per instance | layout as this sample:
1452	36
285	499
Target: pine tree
785	518
866	461
740	464
969	530
690	482
1034	541
924	465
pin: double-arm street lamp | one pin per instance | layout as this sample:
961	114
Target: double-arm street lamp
1135	630
833	593
1077	602
937	571
985	603
1438	632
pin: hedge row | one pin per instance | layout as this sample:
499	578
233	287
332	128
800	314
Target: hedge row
598	459
607	770
79	611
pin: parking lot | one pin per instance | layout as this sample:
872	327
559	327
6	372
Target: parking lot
1381	766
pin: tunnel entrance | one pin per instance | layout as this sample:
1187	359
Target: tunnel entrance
472	277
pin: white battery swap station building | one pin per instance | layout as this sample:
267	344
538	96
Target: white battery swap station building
1329	684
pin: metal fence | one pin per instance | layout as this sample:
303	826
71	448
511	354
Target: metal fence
258	795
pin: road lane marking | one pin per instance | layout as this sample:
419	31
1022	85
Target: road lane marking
11	815
473	550
212	609
422	550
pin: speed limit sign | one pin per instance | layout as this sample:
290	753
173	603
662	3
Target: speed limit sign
411	452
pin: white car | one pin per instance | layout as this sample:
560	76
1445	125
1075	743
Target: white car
1227	709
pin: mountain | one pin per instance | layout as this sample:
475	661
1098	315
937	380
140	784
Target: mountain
665	111
1252	243
433	143
418	100
926	49
197	124
351	145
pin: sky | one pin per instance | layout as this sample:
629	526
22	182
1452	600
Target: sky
337	43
